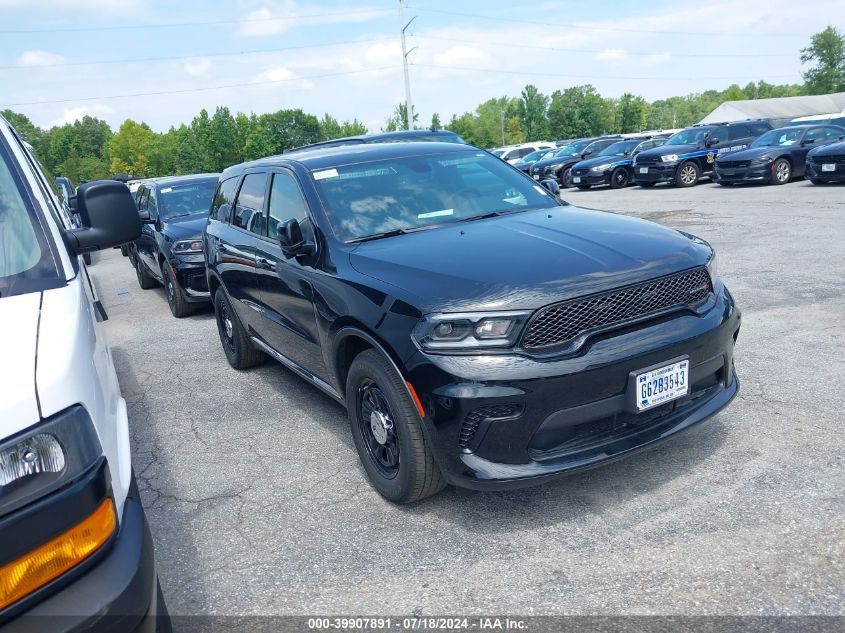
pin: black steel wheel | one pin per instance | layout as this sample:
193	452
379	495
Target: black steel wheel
375	424
620	178
179	306
233	337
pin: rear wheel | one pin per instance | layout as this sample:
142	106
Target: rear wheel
387	432
781	172
236	344
619	178
144	279
179	306
688	175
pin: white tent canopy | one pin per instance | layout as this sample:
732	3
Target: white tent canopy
777	110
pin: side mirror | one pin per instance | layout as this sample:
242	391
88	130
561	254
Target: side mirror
144	215
586	153
108	216
72	204
289	234
808	141
551	185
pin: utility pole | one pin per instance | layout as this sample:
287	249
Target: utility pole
502	112
409	107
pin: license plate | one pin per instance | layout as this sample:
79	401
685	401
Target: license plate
576	179
662	385
643	170
828	167
536	176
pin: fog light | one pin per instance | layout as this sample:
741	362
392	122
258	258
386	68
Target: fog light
40	453
47	562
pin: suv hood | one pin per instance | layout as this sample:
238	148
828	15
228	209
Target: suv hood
186	227
663	150
526	260
19	405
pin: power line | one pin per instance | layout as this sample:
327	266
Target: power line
572	25
195	56
589	50
591	76
161	25
204	89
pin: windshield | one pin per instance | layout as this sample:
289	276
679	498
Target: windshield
691	136
497	152
573	150
779	138
534	156
414	192
188	199
622	148
26	263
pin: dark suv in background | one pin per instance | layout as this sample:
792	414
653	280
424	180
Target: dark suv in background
173	211
560	164
689	155
478	330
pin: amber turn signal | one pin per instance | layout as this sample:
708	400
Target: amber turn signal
47	562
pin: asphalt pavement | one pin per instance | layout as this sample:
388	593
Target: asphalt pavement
258	504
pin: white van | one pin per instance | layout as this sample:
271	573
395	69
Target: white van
74	541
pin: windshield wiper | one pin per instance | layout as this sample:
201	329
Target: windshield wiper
378	236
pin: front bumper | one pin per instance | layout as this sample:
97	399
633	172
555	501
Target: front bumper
591	178
544	418
190	273
754	173
657	172
814	170
118	594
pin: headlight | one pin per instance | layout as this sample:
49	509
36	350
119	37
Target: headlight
468	331
711	269
600	167
669	158
188	246
46	458
761	160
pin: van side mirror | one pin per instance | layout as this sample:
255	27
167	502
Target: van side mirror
551	185
289	234
108	216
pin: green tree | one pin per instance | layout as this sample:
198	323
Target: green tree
435	122
514	132
128	148
276	132
632	113
579	111
827	53
399	120
533	105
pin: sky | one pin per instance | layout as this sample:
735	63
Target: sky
162	62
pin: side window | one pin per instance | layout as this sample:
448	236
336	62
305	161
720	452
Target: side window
249	209
525	151
141	199
152	206
815	135
759	128
643	146
221	207
738	132
834	132
286	203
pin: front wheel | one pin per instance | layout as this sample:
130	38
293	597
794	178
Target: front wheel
387	432
781	172
688	175
620	178
179	306
566	178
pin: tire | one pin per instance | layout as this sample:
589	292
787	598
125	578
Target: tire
144	279
401	467
781	172
566	178
179	306
236	344
124	250
620	178
133	256
86	257
584	187
646	185
687	175
817	181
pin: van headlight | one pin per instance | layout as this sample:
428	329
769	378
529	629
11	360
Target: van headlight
469	331
47	457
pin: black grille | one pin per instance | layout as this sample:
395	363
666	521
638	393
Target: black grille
561	323
488	412
833	158
648	160
580	172
732	164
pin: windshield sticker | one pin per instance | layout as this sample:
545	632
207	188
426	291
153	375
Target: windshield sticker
167	190
435	214
326	173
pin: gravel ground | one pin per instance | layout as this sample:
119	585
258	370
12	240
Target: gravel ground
258	505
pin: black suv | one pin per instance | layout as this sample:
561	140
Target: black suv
689	155
479	330
559	166
173	211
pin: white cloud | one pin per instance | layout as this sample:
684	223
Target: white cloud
275	18
75	113
198	68
71	7
280	74
40	58
612	55
458	55
387	53
657	58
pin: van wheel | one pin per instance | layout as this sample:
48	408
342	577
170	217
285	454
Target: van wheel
781	172
179	306
387	432
688	175
236	344
620	178
144	280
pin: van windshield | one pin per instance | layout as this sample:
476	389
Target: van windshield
26	261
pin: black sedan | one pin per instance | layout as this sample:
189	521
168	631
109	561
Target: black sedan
826	164
775	157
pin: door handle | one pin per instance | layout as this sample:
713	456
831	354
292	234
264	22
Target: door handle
263	262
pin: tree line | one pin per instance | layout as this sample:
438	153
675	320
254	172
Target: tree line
88	149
